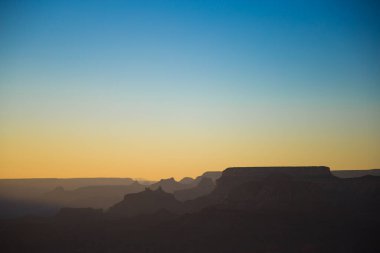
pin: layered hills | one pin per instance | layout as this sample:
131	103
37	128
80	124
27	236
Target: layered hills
102	196
248	209
44	197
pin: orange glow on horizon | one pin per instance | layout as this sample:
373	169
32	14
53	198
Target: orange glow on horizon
163	154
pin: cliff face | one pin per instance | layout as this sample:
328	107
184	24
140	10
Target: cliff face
305	189
279	193
235	176
260	172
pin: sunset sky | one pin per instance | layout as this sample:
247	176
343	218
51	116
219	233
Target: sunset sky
154	89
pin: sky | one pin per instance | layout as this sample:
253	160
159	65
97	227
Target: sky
155	89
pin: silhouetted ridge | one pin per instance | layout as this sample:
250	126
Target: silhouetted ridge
214	175
187	180
255	172
96	196
169	185
234	176
355	173
205	186
146	202
273	209
191	183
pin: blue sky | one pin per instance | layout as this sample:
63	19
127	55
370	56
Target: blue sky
198	63
305	47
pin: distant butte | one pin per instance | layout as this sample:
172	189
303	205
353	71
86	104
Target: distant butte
237	175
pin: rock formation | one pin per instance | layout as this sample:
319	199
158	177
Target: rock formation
146	202
169	185
204	187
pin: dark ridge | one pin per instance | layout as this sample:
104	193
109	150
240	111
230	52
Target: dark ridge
187	180
234	176
204	187
214	175
355	173
297	171
146	202
97	196
264	209
169	185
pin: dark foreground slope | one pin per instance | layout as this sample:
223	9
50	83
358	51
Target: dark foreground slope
251	210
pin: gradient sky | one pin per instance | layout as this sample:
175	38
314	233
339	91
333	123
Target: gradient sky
155	89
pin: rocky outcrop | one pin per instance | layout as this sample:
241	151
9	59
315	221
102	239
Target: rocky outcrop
205	186
146	202
169	185
187	180
213	175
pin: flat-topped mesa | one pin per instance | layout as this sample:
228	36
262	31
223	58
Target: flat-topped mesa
308	171
237	175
